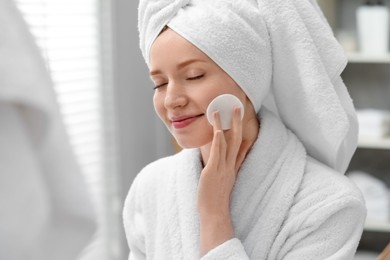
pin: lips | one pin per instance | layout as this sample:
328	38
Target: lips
184	121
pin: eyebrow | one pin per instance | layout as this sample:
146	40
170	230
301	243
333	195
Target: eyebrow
179	66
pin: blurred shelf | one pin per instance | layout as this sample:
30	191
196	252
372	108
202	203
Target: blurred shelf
372	143
356	57
377	226
365	255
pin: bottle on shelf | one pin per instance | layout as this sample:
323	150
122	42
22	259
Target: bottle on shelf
373	27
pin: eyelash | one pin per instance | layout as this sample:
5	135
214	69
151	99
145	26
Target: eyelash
158	86
193	78
196	77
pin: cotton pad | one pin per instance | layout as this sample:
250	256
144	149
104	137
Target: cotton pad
224	104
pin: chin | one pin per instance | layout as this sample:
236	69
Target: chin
187	145
195	142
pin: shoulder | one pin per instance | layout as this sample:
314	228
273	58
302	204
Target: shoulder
146	186
327	217
155	170
325	192
139	207
153	175
321	180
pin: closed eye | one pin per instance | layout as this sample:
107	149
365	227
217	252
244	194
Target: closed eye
192	78
196	77
159	86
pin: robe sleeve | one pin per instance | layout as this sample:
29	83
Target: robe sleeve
328	234
230	250
134	224
332	233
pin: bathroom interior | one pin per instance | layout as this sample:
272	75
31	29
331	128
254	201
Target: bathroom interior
104	95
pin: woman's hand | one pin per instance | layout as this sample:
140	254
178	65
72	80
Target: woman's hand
216	183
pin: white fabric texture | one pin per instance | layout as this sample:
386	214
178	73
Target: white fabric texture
45	209
284	205
282	53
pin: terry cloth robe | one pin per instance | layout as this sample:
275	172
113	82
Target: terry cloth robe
284	205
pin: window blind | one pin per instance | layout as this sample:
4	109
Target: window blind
77	50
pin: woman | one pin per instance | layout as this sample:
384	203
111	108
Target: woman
271	187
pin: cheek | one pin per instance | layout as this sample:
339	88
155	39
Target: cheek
158	102
203	135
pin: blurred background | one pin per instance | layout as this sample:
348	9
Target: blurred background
362	28
104	94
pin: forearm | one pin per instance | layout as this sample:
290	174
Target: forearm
224	157
214	230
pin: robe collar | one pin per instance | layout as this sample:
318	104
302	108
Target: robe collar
263	193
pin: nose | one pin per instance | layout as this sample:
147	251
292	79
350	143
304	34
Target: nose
175	96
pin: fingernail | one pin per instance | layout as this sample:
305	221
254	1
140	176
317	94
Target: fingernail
215	114
237	110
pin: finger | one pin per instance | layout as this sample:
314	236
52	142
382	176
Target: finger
237	124
215	150
222	148
240	158
236	134
218	127
217	121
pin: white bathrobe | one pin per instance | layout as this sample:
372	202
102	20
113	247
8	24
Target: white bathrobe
284	205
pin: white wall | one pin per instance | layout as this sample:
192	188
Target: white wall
142	137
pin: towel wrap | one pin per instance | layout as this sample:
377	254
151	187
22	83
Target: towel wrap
283	55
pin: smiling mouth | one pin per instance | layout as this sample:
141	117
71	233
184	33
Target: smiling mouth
184	122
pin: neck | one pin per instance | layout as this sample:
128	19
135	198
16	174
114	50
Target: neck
250	131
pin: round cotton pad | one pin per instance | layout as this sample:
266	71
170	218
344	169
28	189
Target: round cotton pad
224	104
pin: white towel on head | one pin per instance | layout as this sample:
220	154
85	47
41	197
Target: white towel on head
307	89
282	53
232	33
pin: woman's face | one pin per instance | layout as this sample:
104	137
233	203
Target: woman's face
186	81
